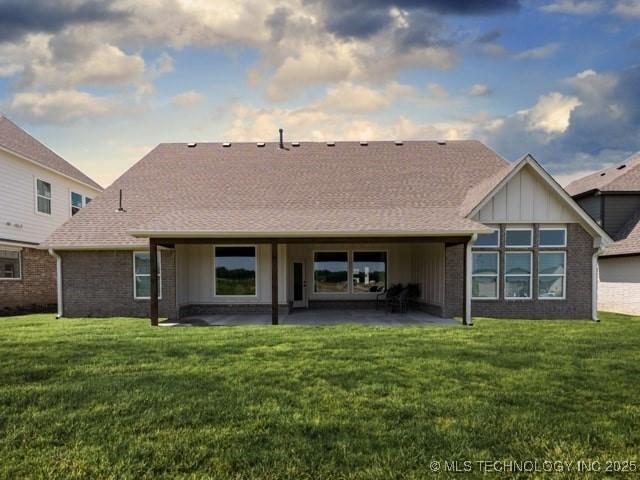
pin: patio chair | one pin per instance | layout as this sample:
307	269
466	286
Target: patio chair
387	294
399	301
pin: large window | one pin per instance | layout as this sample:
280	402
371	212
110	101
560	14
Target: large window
488	240
369	272
330	272
10	265
235	269
551	275
43	197
519	237
142	275
76	202
484	275
517	275
553	237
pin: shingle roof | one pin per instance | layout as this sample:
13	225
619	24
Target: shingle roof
627	239
18	141
624	177
347	188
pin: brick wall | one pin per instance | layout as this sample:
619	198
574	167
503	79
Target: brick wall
577	303
100	284
36	291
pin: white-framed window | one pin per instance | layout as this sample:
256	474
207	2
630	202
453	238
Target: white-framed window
521	237
43	197
488	240
368	271
76	202
485	270
552	237
10	265
517	275
235	271
552	275
331	272
142	276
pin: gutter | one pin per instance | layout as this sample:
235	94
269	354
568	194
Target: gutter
58	281
594	282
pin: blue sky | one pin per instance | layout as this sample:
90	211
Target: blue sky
103	82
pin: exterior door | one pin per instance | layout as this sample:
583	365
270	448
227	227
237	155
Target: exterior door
299	285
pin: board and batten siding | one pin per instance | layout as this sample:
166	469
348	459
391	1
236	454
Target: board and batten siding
19	220
428	272
525	199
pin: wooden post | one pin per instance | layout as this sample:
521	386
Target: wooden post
153	282
274	283
465	268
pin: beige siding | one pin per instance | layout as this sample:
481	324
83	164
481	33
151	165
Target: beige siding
428	272
18	217
619	285
525	199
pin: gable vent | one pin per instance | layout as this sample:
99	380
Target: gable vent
331	144
398	142
192	144
226	144
295	144
260	144
364	144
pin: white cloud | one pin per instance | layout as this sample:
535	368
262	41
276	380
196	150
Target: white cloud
551	114
479	90
574	7
187	99
348	97
628	8
436	90
58	106
545	51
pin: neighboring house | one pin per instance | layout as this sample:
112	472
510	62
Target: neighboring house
268	227
612	198
39	191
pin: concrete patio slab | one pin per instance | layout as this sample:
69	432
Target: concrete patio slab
319	317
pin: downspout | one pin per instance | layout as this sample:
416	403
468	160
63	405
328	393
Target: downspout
58	280
595	277
468	320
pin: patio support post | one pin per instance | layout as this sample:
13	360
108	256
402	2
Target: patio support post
274	283
153	282
467	319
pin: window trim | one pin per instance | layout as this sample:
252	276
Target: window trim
504	280
35	186
552	228
215	289
313	279
564	275
517	229
19	265
495	229
497	276
350	261
71	206
135	275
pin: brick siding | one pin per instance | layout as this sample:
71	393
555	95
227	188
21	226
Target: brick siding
36	290
576	305
100	284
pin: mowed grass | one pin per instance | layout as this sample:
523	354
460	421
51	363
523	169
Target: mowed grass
119	399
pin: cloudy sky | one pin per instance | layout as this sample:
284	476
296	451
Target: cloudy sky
102	82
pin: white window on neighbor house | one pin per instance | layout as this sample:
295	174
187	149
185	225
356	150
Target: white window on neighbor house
488	240
142	276
235	271
484	275
331	272
552	237
369	271
43	197
519	237
10	265
76	202
552	276
517	275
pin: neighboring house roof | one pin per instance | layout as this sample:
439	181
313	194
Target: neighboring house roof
628	239
20	143
314	189
624	177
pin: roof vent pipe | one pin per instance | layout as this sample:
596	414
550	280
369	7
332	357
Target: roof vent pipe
120	208
281	138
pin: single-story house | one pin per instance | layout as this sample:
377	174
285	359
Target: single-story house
238	227
612	198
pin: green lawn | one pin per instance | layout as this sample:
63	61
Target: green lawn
118	399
